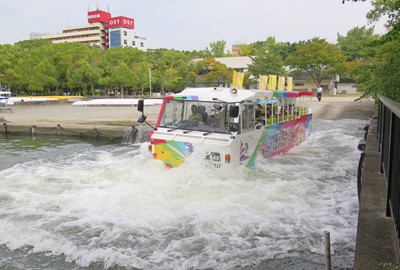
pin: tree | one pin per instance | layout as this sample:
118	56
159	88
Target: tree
246	50
217	72
389	8
381	75
33	43
354	44
248	80
64	56
9	57
170	77
86	72
319	59
267	60
378	73
43	76
142	71
217	49
122	76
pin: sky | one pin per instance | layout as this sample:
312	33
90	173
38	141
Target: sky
188	25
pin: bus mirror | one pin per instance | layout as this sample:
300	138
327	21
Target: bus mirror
234	127
140	105
217	106
142	119
234	111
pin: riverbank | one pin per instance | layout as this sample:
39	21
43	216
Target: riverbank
330	108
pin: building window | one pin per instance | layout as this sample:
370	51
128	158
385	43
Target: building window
125	41
299	84
141	44
115	38
133	43
125	33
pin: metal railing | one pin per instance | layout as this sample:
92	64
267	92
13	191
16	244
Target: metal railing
389	146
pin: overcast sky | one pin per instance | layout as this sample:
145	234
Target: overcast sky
192	25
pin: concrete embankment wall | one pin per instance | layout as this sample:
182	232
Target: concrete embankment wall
110	133
376	240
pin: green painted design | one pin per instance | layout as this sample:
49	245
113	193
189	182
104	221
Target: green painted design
169	162
174	154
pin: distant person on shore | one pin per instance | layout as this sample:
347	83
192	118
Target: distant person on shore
319	92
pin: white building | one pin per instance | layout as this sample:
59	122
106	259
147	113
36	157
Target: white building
122	33
88	34
102	30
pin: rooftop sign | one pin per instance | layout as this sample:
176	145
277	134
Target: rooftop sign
98	16
121	22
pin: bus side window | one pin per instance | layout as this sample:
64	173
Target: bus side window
248	121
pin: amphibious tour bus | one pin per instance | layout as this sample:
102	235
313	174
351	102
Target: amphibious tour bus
227	126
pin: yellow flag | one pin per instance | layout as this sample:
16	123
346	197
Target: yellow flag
238	79
281	85
290	83
272	82
262	84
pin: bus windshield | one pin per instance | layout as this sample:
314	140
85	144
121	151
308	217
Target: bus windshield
212	117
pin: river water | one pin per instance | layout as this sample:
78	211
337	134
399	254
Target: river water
67	203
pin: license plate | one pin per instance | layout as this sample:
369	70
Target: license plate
214	156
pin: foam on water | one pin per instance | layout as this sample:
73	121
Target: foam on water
114	205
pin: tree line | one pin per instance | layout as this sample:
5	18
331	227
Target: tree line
41	67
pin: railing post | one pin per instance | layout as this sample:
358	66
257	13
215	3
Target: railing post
327	251
389	146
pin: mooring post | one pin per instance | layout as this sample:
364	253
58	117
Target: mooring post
58	129
133	134
327	251
33	130
95	133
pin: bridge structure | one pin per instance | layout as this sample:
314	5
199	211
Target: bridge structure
377	244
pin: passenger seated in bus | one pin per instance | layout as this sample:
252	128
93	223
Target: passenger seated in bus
269	107
261	122
295	112
218	119
202	111
195	114
281	115
269	112
258	111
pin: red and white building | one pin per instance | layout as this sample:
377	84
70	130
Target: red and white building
103	30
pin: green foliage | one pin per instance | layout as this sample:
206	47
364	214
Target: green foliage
354	44
34	43
267	59
39	66
389	266
389	8
217	49
378	72
381	74
216	72
319	59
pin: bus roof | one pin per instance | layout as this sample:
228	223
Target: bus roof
231	94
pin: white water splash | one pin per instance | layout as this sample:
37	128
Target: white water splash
115	205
